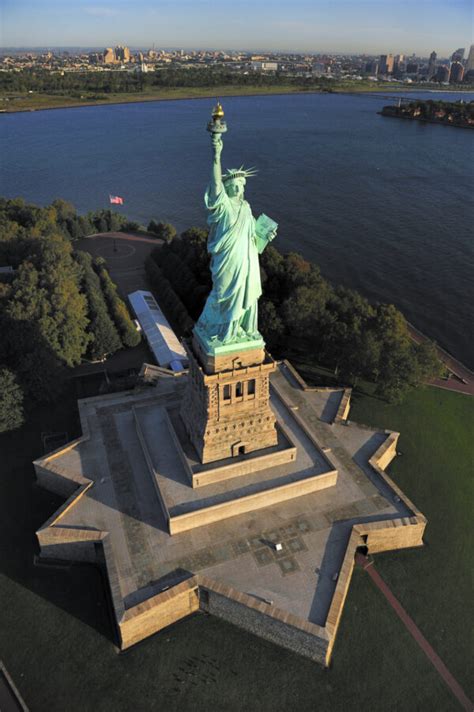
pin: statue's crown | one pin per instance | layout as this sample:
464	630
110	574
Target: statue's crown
241	172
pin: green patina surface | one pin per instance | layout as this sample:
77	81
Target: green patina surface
235	241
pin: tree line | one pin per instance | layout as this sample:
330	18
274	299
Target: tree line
301	312
112	82
57	307
18	218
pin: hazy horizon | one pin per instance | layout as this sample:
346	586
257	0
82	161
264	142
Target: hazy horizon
174	48
316	26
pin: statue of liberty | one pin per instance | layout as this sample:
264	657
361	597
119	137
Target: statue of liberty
234	243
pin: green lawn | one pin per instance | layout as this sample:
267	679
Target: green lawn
55	629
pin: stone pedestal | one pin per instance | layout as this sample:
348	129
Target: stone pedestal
215	358
227	413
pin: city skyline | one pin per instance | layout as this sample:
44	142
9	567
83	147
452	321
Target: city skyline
340	26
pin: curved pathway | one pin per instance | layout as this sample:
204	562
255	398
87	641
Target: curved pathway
126	236
461	378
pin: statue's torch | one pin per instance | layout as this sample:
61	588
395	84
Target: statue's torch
217	125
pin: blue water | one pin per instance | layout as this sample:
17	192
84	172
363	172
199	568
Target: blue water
382	205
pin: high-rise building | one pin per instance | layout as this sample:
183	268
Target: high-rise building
442	73
122	54
412	67
458	55
399	64
386	64
432	65
456	73
109	56
372	68
470	60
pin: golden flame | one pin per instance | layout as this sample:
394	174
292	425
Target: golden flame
218	111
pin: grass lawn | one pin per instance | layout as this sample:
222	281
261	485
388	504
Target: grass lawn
56	633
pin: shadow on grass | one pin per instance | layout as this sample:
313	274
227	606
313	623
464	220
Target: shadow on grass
77	589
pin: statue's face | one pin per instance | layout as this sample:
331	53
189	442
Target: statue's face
235	188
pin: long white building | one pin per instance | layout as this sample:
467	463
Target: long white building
163	342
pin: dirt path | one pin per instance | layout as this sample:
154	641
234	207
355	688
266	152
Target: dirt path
413	629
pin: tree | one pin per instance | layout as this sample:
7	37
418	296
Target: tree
64	210
117	308
45	292
270	324
8	228
296	271
131	226
63	320
166	231
11	401
41	374
429	364
271	271
195	255
104	336
162	230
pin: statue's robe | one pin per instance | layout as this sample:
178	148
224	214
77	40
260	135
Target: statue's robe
230	312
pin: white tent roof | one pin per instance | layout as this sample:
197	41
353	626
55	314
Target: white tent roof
161	338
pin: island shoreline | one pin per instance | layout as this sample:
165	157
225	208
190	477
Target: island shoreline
212	95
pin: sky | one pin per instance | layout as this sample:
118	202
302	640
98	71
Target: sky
350	26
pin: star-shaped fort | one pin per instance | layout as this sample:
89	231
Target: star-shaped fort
265	539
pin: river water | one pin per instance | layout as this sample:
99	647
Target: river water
381	205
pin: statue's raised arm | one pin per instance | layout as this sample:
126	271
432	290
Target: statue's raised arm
215	186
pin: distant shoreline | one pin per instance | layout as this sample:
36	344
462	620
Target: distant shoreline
438	122
211	93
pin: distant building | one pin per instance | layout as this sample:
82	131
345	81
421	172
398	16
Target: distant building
122	54
390	63
432	65
95	58
458	55
386	63
319	68
413	68
470	60
372	68
399	65
109	56
456	73
442	74
264	66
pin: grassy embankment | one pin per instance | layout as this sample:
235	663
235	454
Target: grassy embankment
55	630
28	102
23	101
